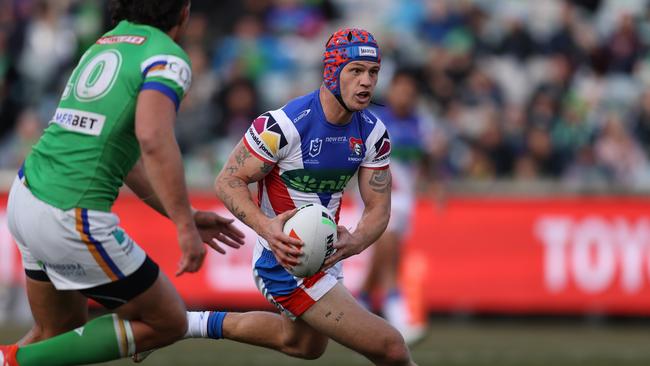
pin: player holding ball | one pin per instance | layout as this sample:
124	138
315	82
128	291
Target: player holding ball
306	152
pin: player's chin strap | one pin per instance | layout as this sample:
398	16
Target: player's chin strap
340	99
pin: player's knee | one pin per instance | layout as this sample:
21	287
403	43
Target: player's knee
395	351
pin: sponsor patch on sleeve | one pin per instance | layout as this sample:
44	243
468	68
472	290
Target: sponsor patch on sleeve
168	67
266	136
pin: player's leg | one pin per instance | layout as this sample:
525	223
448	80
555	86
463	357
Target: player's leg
275	331
157	316
341	318
153	318
54	312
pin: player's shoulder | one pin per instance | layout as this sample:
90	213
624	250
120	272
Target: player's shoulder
370	123
299	108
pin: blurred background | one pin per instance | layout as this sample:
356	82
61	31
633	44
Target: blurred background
532	163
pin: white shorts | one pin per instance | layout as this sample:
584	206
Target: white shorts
77	248
292	295
401	212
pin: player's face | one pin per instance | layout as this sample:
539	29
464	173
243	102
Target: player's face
358	81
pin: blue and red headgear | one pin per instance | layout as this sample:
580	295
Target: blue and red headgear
346	45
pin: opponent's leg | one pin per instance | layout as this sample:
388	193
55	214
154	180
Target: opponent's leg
340	317
54	312
260	328
158	316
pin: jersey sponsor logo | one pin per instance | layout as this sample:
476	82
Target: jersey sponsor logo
315	146
336	139
136	40
270	134
79	121
303	180
168	67
258	142
382	147
67	269
302	115
367	51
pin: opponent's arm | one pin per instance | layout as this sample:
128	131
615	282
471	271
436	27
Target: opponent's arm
231	186
212	227
375	188
154	128
137	181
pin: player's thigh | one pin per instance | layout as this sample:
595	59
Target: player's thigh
54	311
340	317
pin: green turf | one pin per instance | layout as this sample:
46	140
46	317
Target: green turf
453	343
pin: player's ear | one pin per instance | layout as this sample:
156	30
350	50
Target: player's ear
185	14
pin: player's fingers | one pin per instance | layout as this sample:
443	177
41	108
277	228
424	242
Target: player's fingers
285	257
292	247
223	220
235	234
287	215
289	240
228	241
332	260
214	245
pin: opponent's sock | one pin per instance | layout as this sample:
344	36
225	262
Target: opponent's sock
103	339
205	324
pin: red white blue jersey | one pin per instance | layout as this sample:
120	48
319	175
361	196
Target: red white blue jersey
314	159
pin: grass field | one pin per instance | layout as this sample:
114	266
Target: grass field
449	342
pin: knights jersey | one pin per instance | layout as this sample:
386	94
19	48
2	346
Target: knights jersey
313	158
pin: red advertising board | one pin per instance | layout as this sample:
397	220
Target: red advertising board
502	255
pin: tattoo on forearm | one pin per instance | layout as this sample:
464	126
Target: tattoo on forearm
229	201
380	181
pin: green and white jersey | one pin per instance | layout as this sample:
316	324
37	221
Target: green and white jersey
90	145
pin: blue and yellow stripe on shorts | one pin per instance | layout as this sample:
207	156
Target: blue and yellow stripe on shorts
95	247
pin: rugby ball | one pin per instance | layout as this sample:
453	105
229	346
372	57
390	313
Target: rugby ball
314	225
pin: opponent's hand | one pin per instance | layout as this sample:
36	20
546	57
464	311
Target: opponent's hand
347	245
214	229
285	248
192	250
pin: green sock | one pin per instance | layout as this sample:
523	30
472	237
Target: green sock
103	339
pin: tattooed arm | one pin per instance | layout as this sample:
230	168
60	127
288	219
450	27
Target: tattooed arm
231	186
375	188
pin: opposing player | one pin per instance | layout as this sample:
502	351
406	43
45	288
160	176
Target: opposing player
304	152
408	130
114	124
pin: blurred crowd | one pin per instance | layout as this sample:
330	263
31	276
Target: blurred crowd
514	90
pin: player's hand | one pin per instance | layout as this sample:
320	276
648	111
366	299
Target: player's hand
192	250
214	229
285	248
347	245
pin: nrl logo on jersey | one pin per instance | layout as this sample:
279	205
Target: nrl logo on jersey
315	146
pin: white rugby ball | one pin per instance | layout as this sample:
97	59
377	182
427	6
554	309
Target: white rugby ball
314	225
